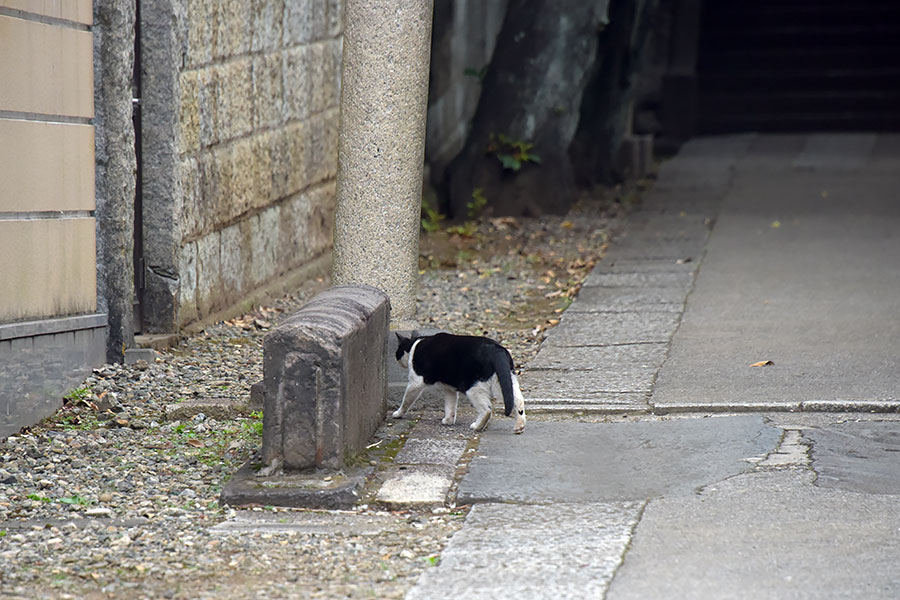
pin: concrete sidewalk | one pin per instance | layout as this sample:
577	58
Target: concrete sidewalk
668	466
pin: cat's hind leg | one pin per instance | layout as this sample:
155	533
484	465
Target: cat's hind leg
412	393
520	406
480	397
451	400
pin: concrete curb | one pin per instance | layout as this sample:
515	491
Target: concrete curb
315	489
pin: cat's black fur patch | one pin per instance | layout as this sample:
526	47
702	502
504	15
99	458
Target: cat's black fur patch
460	361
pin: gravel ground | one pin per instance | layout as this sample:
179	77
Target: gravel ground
110	499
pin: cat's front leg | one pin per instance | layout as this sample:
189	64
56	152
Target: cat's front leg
412	393
451	400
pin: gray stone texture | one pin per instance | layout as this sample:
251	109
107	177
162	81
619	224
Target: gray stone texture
115	170
384	97
779	283
325	379
614	328
425	485
514	551
861	456
764	535
589	462
240	126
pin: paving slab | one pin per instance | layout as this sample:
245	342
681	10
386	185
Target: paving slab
431	452
764	535
857	456
644	265
323	523
588	462
705	203
612	385
422	485
522	552
604	299
614	328
661	248
802	269
835	151
682	280
607	361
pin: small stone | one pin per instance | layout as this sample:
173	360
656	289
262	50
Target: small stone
105	497
99	512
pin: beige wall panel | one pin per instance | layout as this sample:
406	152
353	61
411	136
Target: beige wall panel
45	69
48	268
46	166
70	10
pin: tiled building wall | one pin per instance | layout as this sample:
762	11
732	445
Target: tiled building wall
50	332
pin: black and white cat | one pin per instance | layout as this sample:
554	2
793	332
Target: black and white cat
478	367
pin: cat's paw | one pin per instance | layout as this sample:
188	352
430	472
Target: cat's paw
520	426
481	423
397	414
448	421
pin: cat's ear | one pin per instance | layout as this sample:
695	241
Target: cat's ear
400	338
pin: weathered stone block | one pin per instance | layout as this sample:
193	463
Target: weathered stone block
307	223
232	35
189	112
200	32
319	74
209	135
325	379
287	159
264	244
209	278
191	216
267	24
305	21
297	70
320	149
335	20
233	85
187	283
231	259
268	90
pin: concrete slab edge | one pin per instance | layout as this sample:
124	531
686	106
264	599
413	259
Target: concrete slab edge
586	406
245	488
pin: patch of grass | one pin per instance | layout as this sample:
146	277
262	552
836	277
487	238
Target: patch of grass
83	421
76	499
38	498
78	395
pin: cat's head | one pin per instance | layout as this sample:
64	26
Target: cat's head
404	345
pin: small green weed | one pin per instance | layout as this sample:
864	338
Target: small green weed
476	204
76	499
511	153
38	498
78	396
431	216
478	74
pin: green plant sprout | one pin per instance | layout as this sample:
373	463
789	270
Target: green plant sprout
511	153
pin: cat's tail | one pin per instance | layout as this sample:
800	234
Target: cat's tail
503	368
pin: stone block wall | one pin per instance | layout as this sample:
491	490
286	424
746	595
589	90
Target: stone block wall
252	155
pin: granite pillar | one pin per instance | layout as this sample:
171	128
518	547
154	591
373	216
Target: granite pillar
116	168
384	95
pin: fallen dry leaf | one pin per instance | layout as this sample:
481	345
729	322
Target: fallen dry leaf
762	363
195	443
